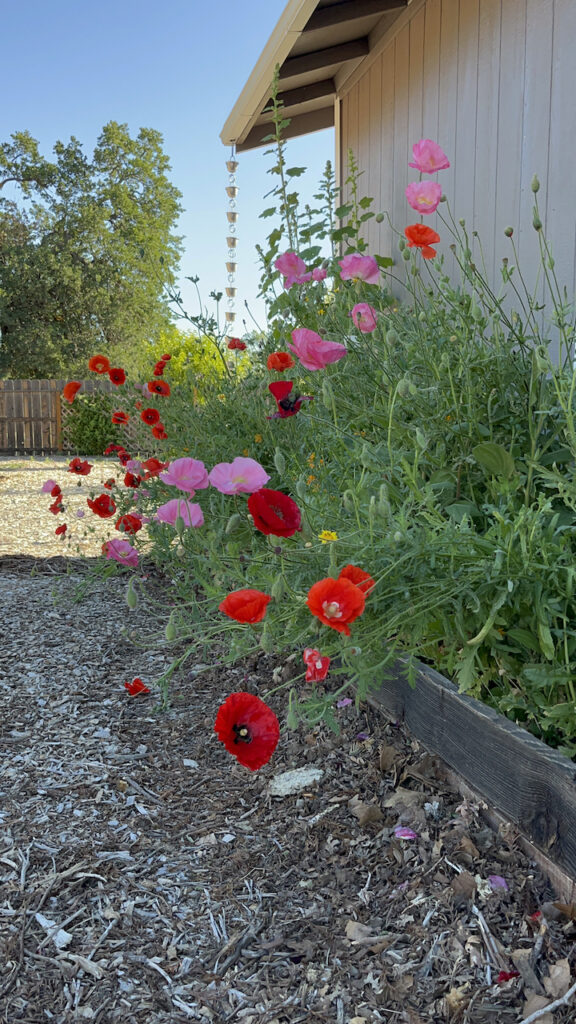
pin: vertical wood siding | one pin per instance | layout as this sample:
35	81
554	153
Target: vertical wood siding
494	82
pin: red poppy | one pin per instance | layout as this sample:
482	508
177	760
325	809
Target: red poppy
166	357
159	432
287	406
109	483
61	530
245	605
102	506
129	523
136	687
336	603
159	368
316	665
274	513
280	361
235	343
158	387
362	579
132	480
70	389
56	507
248	728
99	364
150	416
153	467
56	490
117	375
120	417
79	466
420	236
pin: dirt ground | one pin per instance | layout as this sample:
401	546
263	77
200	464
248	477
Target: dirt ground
147	878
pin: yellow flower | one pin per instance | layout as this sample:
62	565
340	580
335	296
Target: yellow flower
327	536
257	438
311	459
310	479
245	452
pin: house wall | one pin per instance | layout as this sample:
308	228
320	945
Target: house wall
494	82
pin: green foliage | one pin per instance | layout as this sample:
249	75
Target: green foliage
87	256
87	428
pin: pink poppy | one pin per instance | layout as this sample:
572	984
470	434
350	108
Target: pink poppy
403	832
428	157
364	317
424	196
120	551
359	268
293	269
319	273
242	475
48	486
313	352
188	511
186	474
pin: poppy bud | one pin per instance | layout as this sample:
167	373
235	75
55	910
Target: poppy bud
402	244
278	588
301	487
234	523
403	387
327	395
279	462
372	510
379	218
535	186
348	500
397	537
131	595
392	337
536	222
266	641
170	631
179	526
508	232
406	255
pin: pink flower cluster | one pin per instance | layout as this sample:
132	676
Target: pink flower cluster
293	270
424	196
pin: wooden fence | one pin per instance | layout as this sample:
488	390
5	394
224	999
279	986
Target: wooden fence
32	415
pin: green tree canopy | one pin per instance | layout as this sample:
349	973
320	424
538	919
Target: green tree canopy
87	250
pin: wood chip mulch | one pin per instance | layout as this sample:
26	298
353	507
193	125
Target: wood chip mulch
147	878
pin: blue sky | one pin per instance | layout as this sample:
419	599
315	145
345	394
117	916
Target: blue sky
70	66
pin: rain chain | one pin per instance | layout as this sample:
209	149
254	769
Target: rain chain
231	241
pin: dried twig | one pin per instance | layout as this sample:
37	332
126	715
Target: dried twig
562	1001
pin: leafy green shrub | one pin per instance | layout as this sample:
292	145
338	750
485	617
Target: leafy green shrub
87	427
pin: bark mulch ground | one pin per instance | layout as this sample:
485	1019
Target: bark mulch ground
147	878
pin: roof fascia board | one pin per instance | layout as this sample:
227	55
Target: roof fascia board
257	89
379	38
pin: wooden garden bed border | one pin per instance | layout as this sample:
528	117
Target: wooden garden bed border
525	782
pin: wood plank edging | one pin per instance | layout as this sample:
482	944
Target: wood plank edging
531	785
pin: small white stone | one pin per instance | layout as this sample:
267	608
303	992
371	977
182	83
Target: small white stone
294	781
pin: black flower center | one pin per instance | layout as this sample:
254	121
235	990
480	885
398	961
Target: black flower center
242	734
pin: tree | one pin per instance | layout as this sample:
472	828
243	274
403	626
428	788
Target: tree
88	252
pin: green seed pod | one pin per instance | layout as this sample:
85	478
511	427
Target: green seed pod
234	523
379	218
279	462
535	186
131	596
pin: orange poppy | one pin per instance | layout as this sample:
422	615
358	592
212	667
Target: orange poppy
70	389
245	605
336	603
420	236
362	579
